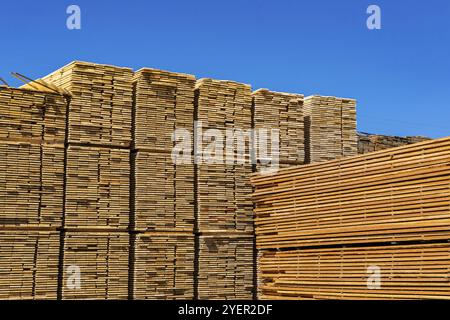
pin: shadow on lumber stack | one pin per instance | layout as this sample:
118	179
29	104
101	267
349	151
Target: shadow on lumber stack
32	134
323	230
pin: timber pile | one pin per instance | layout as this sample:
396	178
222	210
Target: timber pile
225	267
32	181
102	259
224	198
164	266
98	187
417	271
282	111
28	264
330	128
32	116
164	102
395	195
164	197
374	142
101	102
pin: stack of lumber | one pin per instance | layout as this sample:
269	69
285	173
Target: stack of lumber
32	116
224	221
28	264
225	265
369	201
330	128
98	187
164	267
375	142
164	197
31	180
282	111
418	271
32	134
164	102
163	186
102	259
101	102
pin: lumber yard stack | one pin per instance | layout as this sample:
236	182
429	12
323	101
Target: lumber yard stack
224	218
375	142
330	124
163	186
95	234
371	226
32	134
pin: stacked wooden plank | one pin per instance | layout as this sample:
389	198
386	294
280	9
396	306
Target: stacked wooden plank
164	266
100	260
330	128
370	201
284	112
163	196
375	142
225	267
101	102
98	187
28	264
32	134
224	209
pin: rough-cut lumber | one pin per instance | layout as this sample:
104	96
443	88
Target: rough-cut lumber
417	271
330	128
31	184
28	264
282	111
102	259
32	116
100	103
164	266
164	102
375	142
164	197
225	267
400	194
98	187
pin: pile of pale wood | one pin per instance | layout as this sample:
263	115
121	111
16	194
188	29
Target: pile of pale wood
391	207
224	221
330	128
375	142
32	134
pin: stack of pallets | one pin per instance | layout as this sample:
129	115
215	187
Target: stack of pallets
330	128
163	185
398	195
101	102
282	111
374	142
32	133
224	208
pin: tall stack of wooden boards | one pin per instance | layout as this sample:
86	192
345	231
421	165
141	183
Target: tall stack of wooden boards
32	133
163	186
331	128
371	226
95	237
224	221
375	142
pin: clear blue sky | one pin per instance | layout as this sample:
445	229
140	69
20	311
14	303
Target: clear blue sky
400	74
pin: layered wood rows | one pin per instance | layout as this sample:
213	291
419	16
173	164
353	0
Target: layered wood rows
397	195
375	142
331	128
